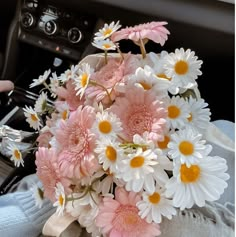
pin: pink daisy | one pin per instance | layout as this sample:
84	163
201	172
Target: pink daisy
68	94
44	138
76	142
108	76
119	217
140	111
49	173
154	31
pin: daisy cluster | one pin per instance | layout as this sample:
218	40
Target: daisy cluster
123	146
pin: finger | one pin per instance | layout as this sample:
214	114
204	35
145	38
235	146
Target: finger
6	85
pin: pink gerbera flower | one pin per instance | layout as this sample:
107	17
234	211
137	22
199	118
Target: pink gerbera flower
140	111
76	143
154	31
120	217
68	94
49	173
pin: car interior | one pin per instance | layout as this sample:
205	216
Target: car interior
40	34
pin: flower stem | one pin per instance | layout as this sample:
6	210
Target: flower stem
142	48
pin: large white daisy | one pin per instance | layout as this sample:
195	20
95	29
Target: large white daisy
183	67
136	168
188	147
198	183
155	205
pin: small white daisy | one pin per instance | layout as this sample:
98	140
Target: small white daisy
188	147
163	143
155	205
41	103
198	183
109	154
64	110
145	78
38	195
183	67
107	124
61	199
178	112
136	168
54	84
69	73
32	117
107	30
82	80
199	114
41	79
16	155
105	45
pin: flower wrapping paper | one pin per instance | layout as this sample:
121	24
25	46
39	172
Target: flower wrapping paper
124	144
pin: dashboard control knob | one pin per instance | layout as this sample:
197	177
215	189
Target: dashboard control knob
50	27
27	20
74	35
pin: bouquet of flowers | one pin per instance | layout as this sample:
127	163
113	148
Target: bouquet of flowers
124	144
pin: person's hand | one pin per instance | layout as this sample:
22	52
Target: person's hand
6	85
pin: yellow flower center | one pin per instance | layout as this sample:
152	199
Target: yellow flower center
137	162
105	126
64	115
162	75
154	198
163	144
17	154
106	46
34	117
107	32
111	153
181	67
84	80
173	111
191	174
61	200
145	86
190	118
186	148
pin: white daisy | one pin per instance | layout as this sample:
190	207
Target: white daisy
199	114
183	67
163	144
38	195
107	30
198	183
155	205
188	147
54	84
145	78
41	103
105	45
109	154
32	117
64	110
41	79
16	155
82	80
136	168
69	73
178	112
61	199
107	124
